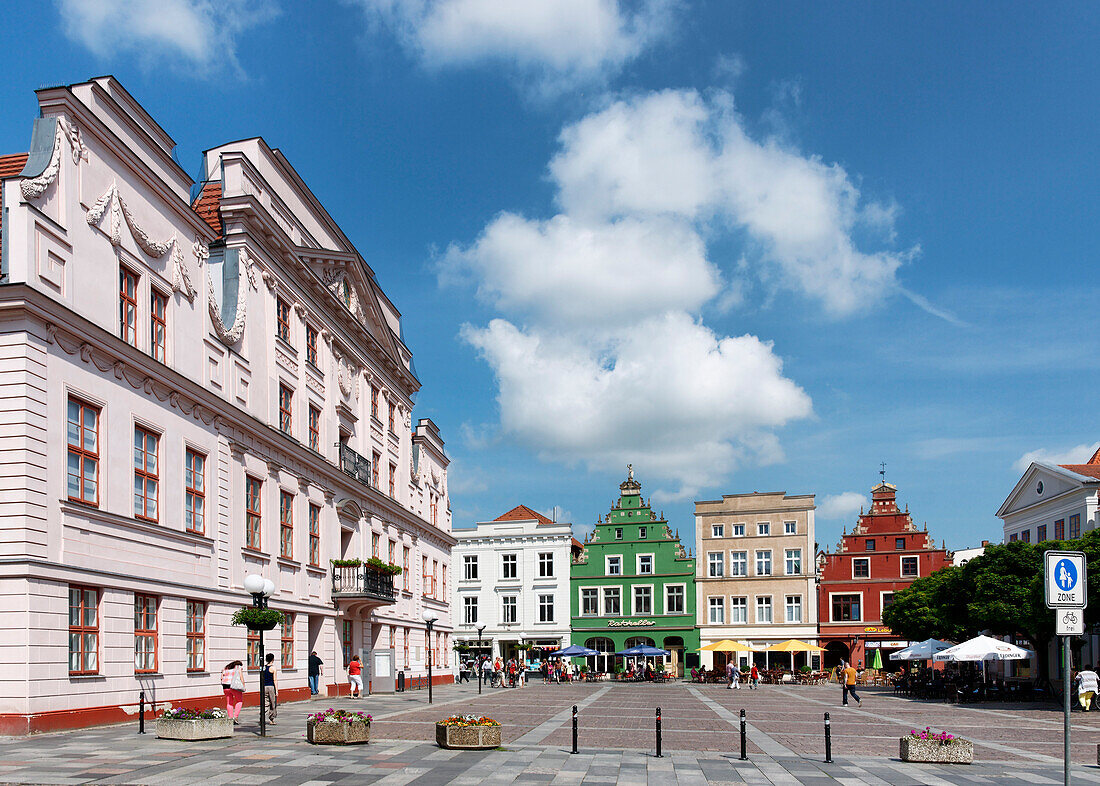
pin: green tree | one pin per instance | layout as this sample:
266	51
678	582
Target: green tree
931	607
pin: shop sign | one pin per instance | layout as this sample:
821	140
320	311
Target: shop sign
629	623
874	629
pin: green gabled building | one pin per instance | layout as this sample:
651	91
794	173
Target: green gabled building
634	584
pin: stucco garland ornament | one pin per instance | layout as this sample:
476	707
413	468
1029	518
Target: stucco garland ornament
231	335
34	187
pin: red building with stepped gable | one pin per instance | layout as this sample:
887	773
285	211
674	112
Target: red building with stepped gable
884	553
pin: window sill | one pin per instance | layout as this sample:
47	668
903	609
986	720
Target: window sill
248	551
316	569
289	562
286	345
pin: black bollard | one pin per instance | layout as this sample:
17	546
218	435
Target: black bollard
141	712
574	728
828	741
659	733
744	753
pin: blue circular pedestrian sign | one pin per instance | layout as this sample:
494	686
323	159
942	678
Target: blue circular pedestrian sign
1065	575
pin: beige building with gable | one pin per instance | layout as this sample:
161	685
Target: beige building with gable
755	573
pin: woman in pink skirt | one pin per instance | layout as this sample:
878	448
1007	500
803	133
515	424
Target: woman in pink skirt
233	685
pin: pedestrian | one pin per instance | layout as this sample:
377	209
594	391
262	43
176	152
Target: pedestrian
1087	683
486	670
754	677
316	669
464	671
355	676
848	679
732	676
233	686
271	688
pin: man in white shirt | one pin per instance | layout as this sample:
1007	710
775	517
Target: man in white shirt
1088	681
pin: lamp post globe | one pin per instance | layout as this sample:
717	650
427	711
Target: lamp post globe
254	584
269	588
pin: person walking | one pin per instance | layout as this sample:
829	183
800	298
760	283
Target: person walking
848	680
732	676
316	669
233	686
486	670
1088	681
754	677
355	676
271	688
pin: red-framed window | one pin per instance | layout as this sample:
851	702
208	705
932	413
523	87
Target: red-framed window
1060	529
282	318
314	535
311	345
196	635
145	634
253	650
435	578
393	480
375	461
405	566
425	587
252	517
1075	526
443	577
286	402
375	539
393	553
127	306
314	428
158	324
345	642
194	481
286	641
146	473
434	510
392	408
446	650
1040	533
374	402
83	460
83	630
406	648
286	524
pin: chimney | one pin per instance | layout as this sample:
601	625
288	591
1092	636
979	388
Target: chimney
985	543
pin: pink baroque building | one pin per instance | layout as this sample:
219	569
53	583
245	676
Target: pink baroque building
200	382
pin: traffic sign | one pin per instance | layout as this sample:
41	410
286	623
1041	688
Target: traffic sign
1069	622
1065	579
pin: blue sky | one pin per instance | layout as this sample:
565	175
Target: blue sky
744	246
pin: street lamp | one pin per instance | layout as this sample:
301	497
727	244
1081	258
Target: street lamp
480	658
431	620
261	589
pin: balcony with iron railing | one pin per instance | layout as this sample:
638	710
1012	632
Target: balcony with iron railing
362	582
355	465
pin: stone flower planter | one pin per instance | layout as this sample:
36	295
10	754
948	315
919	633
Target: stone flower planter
958	751
467	737
337	732
201	729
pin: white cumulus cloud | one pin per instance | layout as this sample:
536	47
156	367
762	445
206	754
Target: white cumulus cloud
1078	454
557	41
845	505
201	33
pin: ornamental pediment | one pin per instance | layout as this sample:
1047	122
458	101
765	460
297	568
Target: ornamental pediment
1040	483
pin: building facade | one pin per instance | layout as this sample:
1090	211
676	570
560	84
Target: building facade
513	579
633	584
1053	502
203	381
884	553
755	579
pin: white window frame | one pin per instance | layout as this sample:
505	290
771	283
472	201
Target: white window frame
643	533
618	533
882	600
763	528
738	531
861	559
743	606
652	564
607	564
787	559
743	560
504	564
719	607
788	606
603	600
901	566
790	527
721	574
771	609
466	607
503	607
862	607
580	601
771	565
683	598
634	600
542	596
549	561
468	561
717	530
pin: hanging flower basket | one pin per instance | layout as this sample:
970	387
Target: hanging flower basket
467	732
338	727
929	747
257	619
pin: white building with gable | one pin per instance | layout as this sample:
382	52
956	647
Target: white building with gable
1053	502
202	381
512	577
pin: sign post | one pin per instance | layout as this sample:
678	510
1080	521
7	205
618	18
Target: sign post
1065	583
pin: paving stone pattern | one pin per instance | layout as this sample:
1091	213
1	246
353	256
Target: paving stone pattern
1014	744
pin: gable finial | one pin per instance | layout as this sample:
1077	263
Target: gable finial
882	471
630	472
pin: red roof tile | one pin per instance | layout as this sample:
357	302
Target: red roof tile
523	513
208	205
11	165
1089	470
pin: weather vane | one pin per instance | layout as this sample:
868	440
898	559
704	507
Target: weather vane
883	471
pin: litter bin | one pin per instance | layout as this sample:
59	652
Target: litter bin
400	681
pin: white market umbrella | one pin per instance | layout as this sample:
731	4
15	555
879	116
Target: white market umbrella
983	648
922	650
